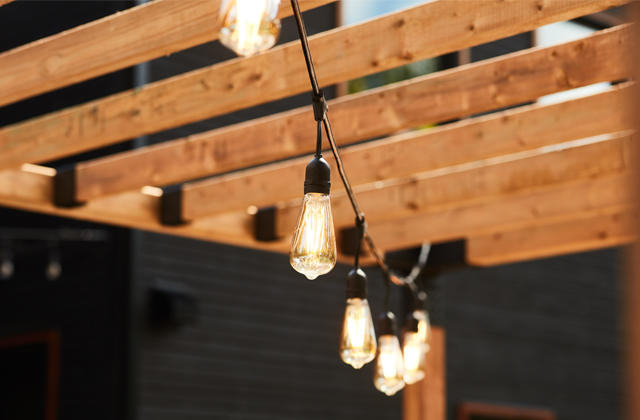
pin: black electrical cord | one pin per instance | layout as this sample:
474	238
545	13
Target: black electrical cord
320	112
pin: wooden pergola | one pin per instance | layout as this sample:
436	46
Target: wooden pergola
529	182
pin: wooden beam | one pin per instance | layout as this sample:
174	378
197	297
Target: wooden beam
606	228
507	132
392	40
454	187
136	35
525	209
427	399
514	79
31	190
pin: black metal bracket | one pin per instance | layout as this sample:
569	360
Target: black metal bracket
265	224
171	207
64	187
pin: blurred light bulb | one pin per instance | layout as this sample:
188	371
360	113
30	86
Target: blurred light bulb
313	248
424	328
414	360
389	370
358	343
6	269
248	27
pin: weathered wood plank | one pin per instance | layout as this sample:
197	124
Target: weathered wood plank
115	42
417	33
481	87
606	228
499	134
426	400
523	210
452	187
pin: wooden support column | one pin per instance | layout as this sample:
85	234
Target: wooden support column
631	287
427	399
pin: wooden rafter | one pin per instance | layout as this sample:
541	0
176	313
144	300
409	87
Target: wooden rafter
417	33
525	209
584	232
115	42
454	187
506	81
498	134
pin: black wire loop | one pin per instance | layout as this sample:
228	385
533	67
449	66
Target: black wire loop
361	226
319	140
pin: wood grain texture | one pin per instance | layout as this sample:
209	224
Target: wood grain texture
402	199
526	209
116	42
494	84
342	54
427	399
605	228
470	140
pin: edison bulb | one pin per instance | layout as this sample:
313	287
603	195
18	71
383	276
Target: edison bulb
248	27
424	328
313	248
414	360
389	371
358	342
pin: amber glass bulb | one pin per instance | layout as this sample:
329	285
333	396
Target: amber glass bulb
313	247
388	375
358	342
414	360
424	328
248	27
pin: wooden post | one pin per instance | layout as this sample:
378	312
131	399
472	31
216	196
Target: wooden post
631	287
426	400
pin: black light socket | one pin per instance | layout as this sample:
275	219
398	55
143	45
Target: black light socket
317	176
356	284
386	324
411	323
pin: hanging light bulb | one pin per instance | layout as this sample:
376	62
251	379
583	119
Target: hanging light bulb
388	375
313	247
424	328
358	342
248	27
413	351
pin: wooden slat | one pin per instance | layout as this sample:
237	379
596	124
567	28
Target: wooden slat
426	400
3	2
485	180
390	41
504	133
608	228
493	84
523	210
115	42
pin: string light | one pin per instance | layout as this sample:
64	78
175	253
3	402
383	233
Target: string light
313	247
248	27
413	349
388	375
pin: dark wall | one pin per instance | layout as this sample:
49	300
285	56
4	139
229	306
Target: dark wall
542	333
88	304
264	345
